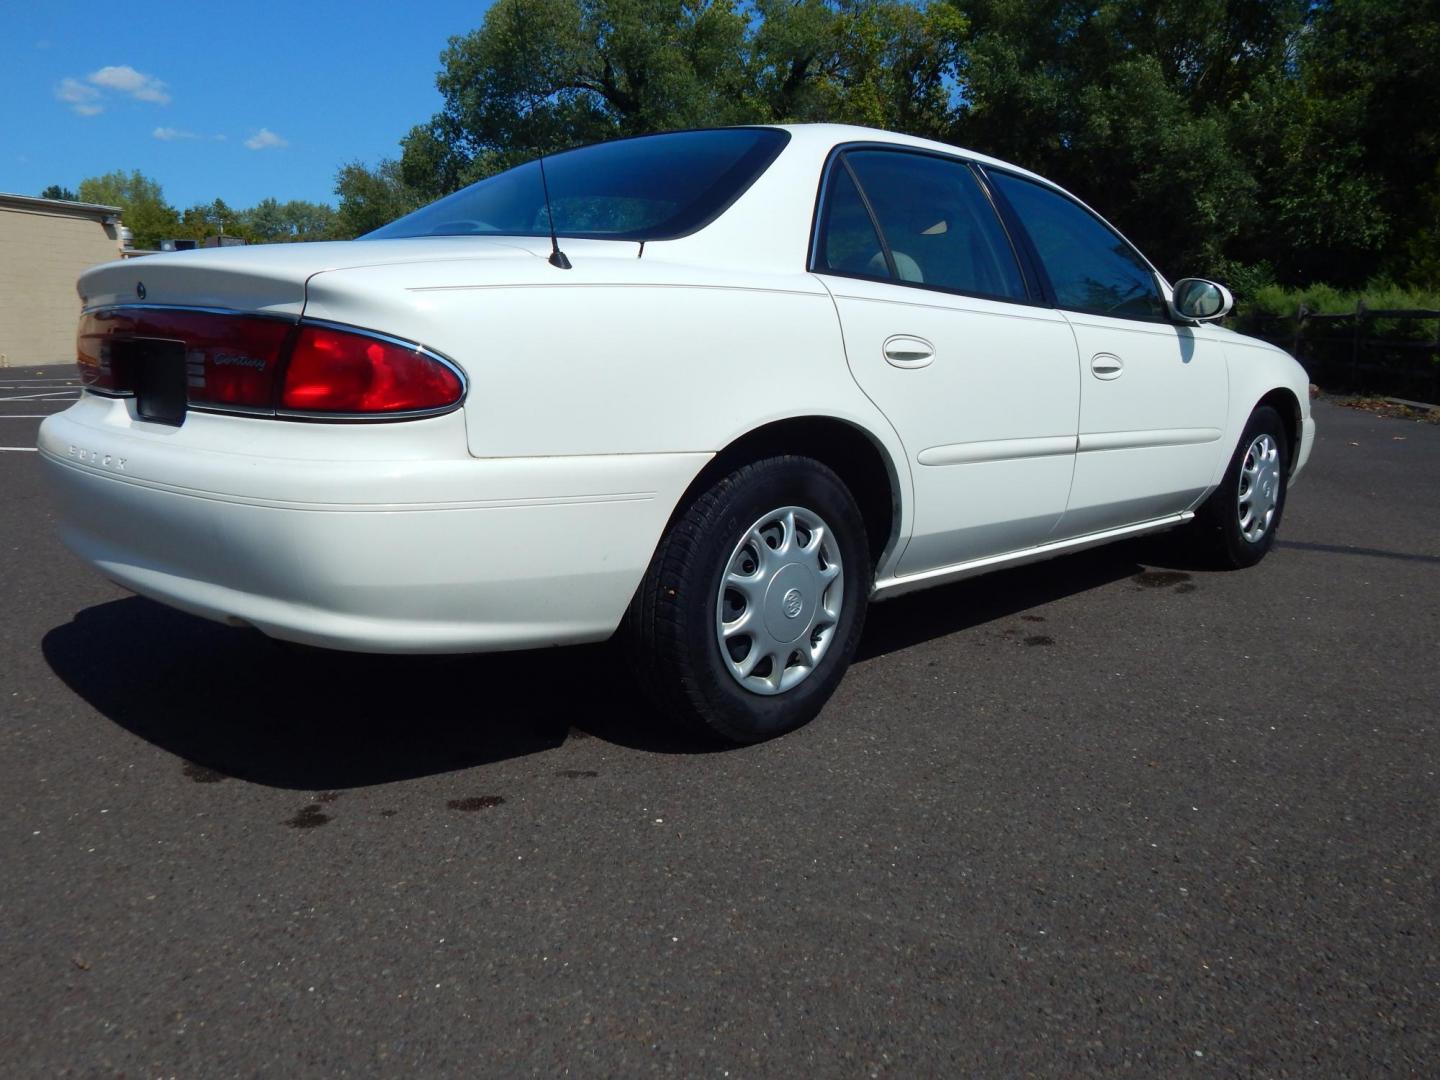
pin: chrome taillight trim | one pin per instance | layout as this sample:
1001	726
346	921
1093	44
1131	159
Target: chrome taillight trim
299	322
373	418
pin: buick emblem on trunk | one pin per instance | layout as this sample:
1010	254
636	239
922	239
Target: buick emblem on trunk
140	289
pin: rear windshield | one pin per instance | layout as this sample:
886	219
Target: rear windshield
655	187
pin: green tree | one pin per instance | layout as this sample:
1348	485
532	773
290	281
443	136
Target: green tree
1362	175
1284	141
887	65
145	210
215	218
55	191
1129	106
265	222
544	75
370	198
271	221
310	221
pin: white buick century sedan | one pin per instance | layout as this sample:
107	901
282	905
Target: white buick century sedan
711	392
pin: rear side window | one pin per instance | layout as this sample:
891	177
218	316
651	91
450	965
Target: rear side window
1091	267
656	187
848	242
936	220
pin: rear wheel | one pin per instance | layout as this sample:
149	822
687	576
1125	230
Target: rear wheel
1237	524
753	604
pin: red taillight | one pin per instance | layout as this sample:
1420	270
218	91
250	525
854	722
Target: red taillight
94	359
230	360
236	361
334	371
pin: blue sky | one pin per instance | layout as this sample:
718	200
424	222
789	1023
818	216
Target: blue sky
235	101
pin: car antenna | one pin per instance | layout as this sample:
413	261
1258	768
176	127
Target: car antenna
557	257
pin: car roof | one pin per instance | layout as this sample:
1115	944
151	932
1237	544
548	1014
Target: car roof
769	226
828	136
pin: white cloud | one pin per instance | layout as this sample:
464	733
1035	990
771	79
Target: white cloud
264	139
126	80
169	134
83	99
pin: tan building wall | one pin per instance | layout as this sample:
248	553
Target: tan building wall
44	245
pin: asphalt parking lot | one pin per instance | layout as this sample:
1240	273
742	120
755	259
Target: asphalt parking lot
1108	815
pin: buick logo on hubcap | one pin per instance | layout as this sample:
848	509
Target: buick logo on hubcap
792	603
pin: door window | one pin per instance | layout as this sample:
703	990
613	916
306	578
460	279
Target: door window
848	243
1091	267
939	229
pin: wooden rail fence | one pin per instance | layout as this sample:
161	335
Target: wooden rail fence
1366	351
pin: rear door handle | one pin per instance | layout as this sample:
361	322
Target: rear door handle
905	351
1106	366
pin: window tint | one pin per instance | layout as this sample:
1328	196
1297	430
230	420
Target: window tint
848	243
939	225
1091	268
652	188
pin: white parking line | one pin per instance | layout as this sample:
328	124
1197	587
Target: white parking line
25	416
20	449
66	394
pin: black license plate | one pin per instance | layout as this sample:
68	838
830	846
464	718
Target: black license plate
158	376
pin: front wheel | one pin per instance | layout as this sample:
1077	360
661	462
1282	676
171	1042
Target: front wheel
754	602
1237	524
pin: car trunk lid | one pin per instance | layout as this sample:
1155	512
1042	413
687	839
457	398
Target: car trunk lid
271	278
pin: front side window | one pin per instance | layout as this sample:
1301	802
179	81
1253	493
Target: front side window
656	187
938	225
1091	267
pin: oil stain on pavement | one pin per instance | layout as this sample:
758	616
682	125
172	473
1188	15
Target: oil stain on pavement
309	817
1160	579
475	802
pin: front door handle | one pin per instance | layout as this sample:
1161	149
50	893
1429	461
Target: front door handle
905	351
1106	366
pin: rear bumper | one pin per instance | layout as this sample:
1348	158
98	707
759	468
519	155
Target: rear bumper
453	555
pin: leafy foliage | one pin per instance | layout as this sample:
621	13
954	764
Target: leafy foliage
545	75
1131	106
1224	133
270	221
1324	299
370	198
1267	143
153	220
145	210
1283	139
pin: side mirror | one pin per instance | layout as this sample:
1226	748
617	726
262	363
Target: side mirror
1198	300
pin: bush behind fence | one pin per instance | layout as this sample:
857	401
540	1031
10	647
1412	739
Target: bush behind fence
1392	352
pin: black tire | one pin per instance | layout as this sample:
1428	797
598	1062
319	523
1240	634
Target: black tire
670	630
1220	532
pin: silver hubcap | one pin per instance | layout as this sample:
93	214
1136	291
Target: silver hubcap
1259	488
780	600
